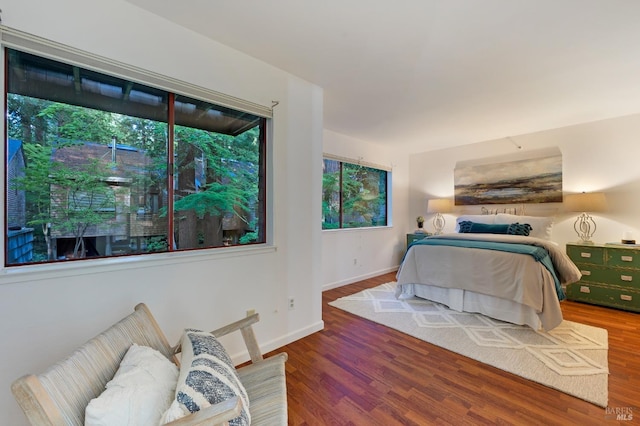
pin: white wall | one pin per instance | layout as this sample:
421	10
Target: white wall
44	315
597	156
350	255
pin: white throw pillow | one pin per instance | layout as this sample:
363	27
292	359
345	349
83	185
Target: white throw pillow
540	225
207	377
476	218
138	394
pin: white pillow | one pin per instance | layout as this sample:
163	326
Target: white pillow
477	218
207	377
138	394
540	225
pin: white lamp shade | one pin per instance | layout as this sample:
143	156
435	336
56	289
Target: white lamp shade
585	202
439	205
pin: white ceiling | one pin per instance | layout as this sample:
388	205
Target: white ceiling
427	74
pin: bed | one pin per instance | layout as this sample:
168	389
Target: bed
512	278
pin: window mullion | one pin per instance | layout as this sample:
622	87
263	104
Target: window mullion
170	169
341	192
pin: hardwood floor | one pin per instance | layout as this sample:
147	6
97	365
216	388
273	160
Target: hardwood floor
356	372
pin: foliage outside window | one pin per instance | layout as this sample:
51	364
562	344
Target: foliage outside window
99	166
353	196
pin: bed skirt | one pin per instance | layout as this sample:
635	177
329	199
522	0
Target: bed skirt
468	301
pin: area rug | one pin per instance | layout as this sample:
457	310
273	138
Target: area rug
571	358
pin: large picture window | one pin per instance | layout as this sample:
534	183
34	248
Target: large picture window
353	195
100	166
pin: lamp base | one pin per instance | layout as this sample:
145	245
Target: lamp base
438	223
585	227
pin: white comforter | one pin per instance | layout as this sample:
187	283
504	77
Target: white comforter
511	276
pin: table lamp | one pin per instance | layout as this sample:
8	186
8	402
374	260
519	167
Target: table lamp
585	202
439	206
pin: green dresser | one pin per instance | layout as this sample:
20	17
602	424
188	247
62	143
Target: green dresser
610	275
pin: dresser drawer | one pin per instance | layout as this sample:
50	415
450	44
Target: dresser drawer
627	299
614	276
623	258
585	254
624	278
593	273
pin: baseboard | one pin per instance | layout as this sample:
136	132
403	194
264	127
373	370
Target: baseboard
281	341
352	280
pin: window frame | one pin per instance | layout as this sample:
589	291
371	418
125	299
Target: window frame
342	161
28	43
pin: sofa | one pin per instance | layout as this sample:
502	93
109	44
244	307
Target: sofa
59	395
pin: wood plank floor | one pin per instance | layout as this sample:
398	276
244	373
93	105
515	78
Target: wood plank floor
356	372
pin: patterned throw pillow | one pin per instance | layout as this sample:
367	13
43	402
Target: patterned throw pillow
464	227
207	377
540	226
519	229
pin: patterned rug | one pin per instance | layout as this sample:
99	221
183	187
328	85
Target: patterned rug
571	358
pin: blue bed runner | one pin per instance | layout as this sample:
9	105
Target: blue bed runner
538	253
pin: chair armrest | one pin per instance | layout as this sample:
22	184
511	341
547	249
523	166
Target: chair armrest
245	327
238	325
218	414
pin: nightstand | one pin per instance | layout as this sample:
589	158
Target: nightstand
610	275
415	237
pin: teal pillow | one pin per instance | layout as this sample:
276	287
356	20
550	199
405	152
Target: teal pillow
492	228
482	228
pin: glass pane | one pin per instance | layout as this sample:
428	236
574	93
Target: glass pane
82	182
364	196
330	194
42	78
219	177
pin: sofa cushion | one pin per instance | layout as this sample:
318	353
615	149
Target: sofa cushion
207	377
139	393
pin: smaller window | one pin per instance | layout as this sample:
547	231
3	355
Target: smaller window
353	195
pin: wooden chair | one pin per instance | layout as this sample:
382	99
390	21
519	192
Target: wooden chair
60	395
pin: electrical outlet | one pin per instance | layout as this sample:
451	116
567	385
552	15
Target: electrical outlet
292	303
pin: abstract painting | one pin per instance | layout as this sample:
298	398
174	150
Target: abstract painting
530	180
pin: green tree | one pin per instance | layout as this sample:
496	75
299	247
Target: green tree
64	199
35	183
80	199
225	168
24	121
227	181
364	198
75	123
331	194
